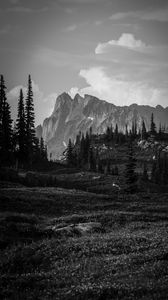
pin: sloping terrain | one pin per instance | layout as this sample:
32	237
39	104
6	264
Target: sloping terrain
69	244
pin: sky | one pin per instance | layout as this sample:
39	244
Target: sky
116	50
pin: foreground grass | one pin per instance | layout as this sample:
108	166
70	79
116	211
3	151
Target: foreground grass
46	255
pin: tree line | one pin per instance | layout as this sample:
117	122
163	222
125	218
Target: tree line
18	144
85	153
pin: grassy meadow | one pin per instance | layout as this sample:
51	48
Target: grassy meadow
59	243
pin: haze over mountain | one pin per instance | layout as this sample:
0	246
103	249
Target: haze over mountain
79	114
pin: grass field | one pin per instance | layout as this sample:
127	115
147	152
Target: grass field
70	244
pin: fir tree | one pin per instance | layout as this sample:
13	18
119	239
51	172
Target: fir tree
152	126
126	131
2	100
5	125
21	129
143	131
134	129
69	153
116	130
116	134
43	150
30	120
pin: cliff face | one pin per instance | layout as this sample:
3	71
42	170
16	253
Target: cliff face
73	115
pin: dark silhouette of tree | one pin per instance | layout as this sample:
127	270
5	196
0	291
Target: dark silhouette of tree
116	134
36	159
116	129
86	148
21	129
159	174
30	120
152	126
143	131
2	101
134	129
130	175
82	151
5	125
91	159
126	131
160	133
43	150
69	153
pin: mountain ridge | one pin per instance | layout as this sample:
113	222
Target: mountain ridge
71	115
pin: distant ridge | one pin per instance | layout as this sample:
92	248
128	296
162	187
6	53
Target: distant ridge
73	115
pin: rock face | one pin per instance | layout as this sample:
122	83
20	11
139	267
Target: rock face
79	114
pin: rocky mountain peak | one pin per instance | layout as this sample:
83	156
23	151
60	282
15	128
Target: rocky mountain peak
73	115
62	100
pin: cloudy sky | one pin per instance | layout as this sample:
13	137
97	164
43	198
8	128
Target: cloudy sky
114	49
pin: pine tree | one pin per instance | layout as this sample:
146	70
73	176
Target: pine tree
82	151
116	134
7	132
69	154
91	159
152	126
21	129
126	131
86	148
2	100
43	150
30	120
143	132
130	175
134	129
5	125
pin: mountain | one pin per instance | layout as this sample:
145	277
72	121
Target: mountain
73	115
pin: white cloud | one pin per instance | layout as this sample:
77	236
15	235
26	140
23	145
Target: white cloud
120	91
126	40
73	91
43	105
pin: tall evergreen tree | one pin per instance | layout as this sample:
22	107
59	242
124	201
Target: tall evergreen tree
2	100
116	134
91	159
43	150
21	129
69	153
5	125
143	130
152	126
30	120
